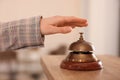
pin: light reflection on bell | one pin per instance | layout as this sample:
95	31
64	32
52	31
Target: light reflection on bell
81	56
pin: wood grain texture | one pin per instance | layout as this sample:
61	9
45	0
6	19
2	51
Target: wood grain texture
111	70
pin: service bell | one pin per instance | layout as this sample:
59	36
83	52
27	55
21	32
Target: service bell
81	56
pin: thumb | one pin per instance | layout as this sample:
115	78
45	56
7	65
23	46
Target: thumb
65	29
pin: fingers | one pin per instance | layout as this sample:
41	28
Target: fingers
76	24
72	21
75	19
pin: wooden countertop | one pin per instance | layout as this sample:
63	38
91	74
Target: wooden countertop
51	66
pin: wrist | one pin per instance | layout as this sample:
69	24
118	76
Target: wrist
41	26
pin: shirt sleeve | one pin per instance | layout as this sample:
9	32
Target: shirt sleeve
20	34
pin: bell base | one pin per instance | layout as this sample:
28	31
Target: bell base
87	66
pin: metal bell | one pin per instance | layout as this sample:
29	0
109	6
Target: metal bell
81	56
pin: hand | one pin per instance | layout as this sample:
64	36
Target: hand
60	24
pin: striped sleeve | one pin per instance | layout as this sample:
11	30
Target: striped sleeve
20	34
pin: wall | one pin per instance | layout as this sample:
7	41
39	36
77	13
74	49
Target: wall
104	25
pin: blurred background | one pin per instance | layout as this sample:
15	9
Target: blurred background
103	31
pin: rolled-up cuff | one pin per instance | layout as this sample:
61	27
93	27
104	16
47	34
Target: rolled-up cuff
32	36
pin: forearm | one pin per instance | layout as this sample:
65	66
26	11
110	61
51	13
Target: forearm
20	34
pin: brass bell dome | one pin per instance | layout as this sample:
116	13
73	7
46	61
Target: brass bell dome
81	45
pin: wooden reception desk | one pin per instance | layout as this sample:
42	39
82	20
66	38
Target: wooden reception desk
51	67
